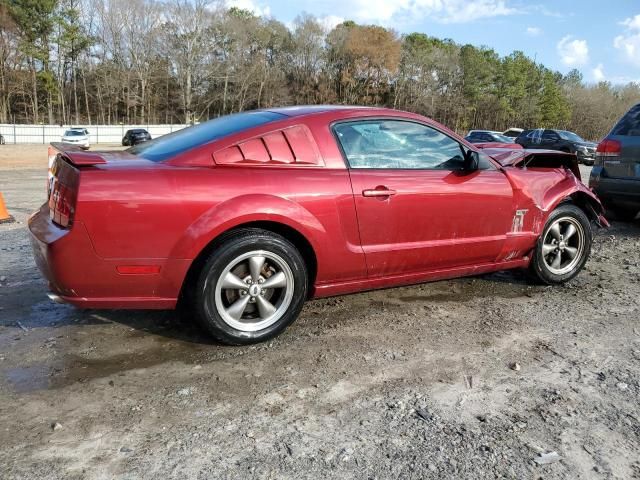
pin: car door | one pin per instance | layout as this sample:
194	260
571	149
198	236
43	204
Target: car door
531	139
417	210
550	140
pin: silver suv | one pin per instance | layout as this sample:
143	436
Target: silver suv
615	176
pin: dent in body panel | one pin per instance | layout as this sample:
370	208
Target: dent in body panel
541	190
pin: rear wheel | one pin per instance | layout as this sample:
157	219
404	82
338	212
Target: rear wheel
251	288
564	246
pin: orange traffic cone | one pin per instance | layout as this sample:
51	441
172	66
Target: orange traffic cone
4	214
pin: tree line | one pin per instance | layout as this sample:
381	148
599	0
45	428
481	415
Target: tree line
183	61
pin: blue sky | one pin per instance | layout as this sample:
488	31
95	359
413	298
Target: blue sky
599	38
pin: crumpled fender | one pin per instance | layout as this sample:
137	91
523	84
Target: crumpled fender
549	189
245	209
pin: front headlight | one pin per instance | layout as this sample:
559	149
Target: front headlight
582	149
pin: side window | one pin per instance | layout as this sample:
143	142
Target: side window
550	136
629	125
396	144
535	136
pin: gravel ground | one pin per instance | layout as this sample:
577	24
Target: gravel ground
481	377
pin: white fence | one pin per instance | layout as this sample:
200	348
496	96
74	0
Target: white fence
15	133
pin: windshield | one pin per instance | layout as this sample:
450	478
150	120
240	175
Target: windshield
569	136
502	138
174	143
73	133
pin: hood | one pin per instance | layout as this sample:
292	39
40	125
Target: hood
497	145
535	159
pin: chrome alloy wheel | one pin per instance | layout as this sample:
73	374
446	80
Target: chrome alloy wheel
254	291
563	245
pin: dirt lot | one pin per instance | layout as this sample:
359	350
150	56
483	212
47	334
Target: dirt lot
416	382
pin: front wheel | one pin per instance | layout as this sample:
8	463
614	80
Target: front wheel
563	247
251	288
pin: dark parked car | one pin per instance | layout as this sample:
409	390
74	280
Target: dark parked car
487	136
135	136
560	140
615	177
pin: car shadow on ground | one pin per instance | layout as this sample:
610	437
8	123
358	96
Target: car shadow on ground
176	324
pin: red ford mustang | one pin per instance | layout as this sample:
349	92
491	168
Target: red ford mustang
246	216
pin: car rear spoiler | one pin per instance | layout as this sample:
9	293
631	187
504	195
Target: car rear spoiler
75	155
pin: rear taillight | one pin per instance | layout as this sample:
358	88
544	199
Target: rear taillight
62	193
609	148
62	204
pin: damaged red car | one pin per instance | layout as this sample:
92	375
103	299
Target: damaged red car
245	217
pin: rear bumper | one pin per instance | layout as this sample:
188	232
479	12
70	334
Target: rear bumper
77	275
615	191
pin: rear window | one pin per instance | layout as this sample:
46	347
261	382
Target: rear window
167	146
572	137
629	125
502	138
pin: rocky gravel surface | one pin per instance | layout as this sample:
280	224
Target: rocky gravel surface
482	377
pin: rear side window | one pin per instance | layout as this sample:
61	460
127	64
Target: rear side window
629	125
167	146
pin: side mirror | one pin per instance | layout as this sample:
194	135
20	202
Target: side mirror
471	161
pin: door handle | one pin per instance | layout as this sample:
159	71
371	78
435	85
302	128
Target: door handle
378	192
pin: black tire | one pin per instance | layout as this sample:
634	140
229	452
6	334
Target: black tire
625	214
541	267
208	299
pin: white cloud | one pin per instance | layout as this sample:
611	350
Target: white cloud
253	7
598	73
533	31
632	23
444	11
629	42
542	10
573	52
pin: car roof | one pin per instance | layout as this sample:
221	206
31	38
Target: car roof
303	110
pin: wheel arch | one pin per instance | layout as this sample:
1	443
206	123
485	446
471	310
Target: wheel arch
590	205
290	233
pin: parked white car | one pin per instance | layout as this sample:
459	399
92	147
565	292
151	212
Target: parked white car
77	136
